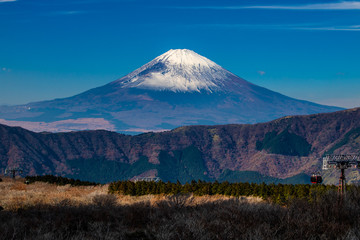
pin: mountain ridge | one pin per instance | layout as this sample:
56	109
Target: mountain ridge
211	149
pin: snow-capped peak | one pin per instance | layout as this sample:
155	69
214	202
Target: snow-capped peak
178	70
185	57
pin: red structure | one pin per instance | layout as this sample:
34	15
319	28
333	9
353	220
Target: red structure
316	178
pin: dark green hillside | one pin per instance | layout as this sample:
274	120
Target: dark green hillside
180	165
284	143
301	178
184	165
245	176
255	177
351	135
103	171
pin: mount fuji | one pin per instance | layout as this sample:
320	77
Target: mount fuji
179	87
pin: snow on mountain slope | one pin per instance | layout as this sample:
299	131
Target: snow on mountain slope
177	88
179	70
186	58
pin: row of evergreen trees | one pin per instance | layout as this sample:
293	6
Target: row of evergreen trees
58	180
278	193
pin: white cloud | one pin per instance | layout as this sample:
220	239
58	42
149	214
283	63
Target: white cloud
296	27
334	28
4	69
261	72
64	13
63	125
68	12
343	5
2	1
341	102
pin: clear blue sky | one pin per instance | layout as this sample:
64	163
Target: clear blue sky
57	48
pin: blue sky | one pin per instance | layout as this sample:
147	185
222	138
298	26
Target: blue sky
304	49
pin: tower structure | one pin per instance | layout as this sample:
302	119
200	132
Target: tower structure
341	162
13	171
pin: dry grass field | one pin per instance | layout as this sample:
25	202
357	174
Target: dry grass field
16	195
46	211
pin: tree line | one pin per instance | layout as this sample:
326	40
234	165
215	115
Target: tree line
58	180
278	193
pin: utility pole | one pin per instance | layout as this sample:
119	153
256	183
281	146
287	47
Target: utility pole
341	162
13	171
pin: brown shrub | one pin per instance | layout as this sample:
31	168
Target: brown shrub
44	211
221	219
104	200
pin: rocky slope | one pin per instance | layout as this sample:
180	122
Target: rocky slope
281	148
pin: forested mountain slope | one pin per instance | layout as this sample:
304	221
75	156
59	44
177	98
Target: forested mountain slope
281	148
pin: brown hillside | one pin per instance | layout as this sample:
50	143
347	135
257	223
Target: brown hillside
234	147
